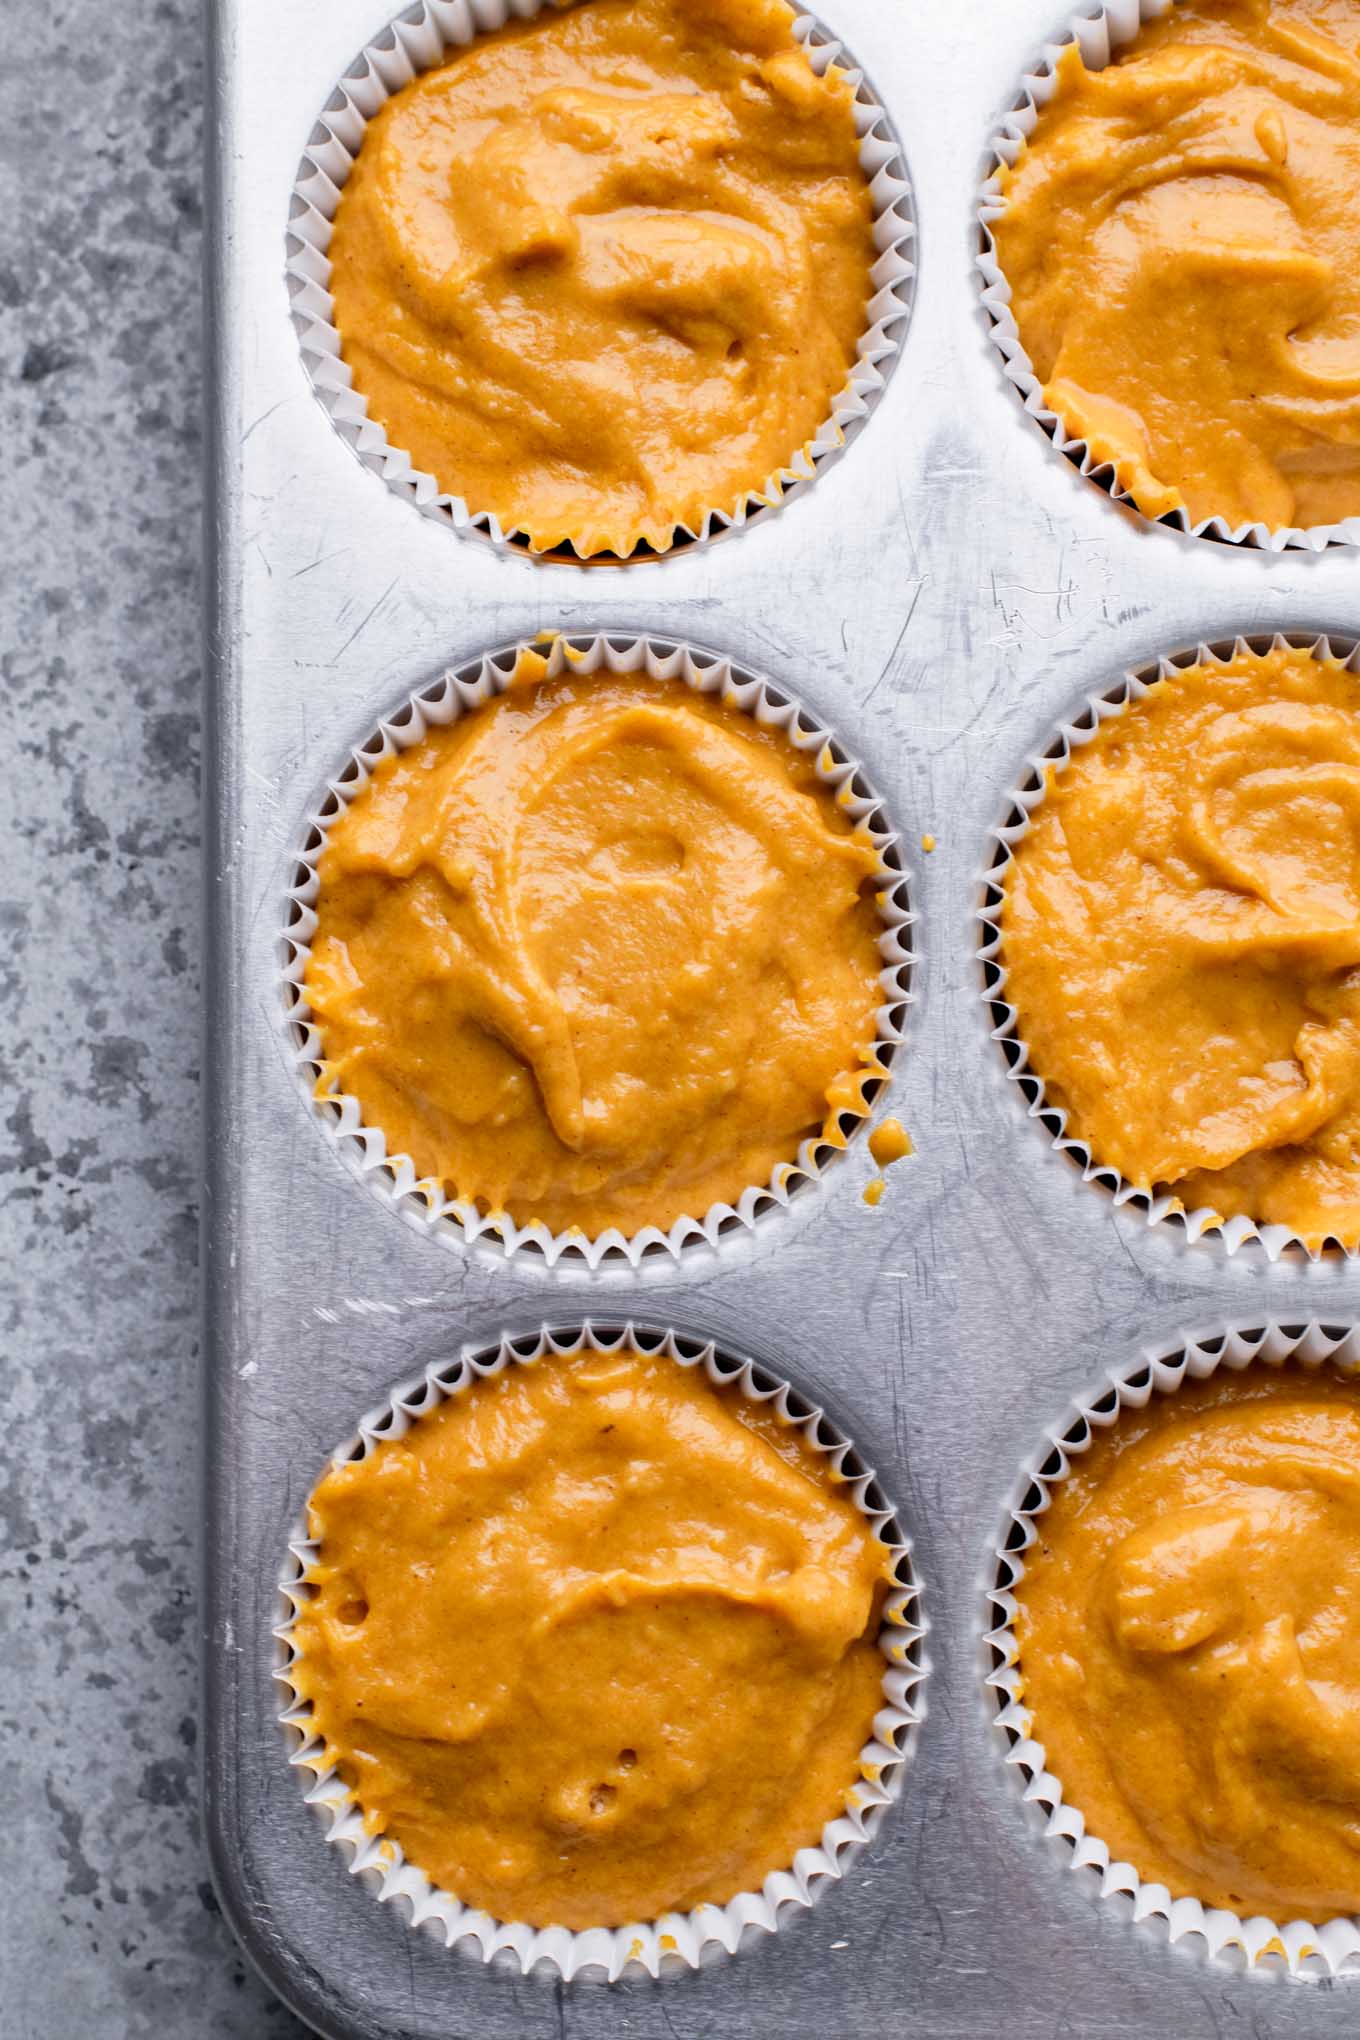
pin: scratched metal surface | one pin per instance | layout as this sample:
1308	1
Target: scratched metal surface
942	597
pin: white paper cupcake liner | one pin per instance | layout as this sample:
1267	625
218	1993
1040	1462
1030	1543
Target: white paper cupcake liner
421	1202
1022	803
421	38
1298	1945
675	1940
1098	35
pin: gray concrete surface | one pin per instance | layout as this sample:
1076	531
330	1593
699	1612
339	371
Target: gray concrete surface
108	1926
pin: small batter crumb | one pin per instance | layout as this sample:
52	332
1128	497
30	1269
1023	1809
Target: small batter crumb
890	1142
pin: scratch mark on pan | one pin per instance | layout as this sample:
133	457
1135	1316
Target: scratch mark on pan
897	646
364	621
319	561
260	420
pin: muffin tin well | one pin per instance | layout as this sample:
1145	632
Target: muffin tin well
1299	1946
676	1940
428	34
392	1176
1100	35
1074	731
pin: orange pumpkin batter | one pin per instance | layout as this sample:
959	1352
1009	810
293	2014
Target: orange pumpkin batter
607	270
595	1640
1181	936
1181	243
888	1143
602	953
1189	1628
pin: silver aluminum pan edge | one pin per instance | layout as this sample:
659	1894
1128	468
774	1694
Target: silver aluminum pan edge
947	593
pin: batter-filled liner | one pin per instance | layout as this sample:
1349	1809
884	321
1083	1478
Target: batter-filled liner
675	1940
1099	36
426	36
393	1177
1023	801
1304	1948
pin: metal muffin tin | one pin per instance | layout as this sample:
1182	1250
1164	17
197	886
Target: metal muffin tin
943	597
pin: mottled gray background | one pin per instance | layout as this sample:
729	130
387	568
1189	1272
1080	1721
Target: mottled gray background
108	1926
